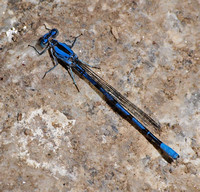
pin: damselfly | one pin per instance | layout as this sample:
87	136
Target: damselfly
63	54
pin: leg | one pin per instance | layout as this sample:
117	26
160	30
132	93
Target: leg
72	76
74	41
55	64
46	27
49	70
40	53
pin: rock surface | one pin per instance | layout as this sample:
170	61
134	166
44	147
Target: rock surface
53	138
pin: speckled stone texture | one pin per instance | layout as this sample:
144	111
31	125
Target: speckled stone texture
53	138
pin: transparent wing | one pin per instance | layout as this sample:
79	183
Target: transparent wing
129	106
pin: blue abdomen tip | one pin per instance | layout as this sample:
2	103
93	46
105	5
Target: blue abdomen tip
169	151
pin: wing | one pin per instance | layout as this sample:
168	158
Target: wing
129	106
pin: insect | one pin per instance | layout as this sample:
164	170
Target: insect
63	54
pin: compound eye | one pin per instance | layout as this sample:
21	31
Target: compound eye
43	42
54	33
